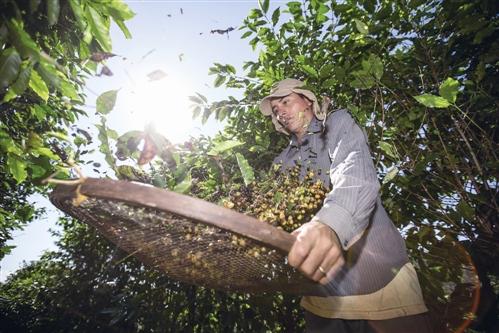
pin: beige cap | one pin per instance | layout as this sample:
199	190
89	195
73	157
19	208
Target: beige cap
284	88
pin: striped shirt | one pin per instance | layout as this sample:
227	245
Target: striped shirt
337	151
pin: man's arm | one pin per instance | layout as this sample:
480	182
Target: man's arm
347	208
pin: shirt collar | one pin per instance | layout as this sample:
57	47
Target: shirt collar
315	126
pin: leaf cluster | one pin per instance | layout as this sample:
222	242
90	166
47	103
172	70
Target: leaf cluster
45	51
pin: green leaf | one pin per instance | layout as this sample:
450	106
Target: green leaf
104	146
310	70
43	151
49	74
37	171
124	29
449	89
159	181
100	28
361	27
275	16
26	46
388	149
53	10
264	5
185	185
432	101
196	99
106	101
120	11
58	135
6	249
246	169
196	112
223	146
255	13
17	168
21	83
390	175
219	81
37	84
38	111
202	97
374	66
68	90
79	14
362	80
9	145
22	80
112	134
246	34
9	66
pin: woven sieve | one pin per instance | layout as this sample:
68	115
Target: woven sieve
191	240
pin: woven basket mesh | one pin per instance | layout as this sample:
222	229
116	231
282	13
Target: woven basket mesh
190	251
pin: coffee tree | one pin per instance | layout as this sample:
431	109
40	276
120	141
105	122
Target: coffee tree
47	49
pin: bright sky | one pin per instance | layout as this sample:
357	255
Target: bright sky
171	36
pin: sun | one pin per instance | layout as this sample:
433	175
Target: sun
163	103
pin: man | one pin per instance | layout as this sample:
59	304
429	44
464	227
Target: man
351	246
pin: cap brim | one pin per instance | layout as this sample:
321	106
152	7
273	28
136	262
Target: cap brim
265	106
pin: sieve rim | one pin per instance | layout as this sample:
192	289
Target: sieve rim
140	194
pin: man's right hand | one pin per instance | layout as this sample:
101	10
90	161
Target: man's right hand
317	252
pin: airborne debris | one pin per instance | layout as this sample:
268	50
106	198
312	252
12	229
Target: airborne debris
148	53
156	75
105	71
221	31
100	56
85	134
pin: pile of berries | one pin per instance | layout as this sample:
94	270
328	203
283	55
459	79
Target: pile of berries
283	200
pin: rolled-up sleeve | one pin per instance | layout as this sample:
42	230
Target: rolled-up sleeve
348	207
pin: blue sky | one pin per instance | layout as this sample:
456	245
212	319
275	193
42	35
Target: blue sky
171	36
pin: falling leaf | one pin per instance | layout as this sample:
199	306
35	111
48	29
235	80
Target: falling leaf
85	134
148	152
181	11
106	101
181	57
221	31
105	71
147	54
100	56
156	75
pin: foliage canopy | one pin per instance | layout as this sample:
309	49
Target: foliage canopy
420	76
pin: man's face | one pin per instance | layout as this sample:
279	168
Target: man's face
293	112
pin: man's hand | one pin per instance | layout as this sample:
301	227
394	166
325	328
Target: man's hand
316	252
